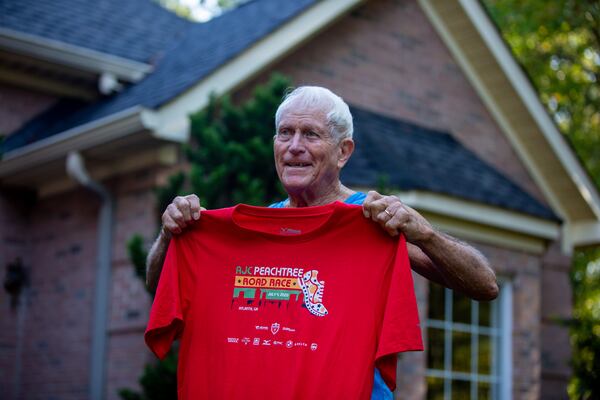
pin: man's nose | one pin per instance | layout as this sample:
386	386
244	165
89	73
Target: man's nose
297	143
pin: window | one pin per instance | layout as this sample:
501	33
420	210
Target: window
468	346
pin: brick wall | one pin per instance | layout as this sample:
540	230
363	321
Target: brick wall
19	105
14	215
15	208
411	365
56	341
57	237
130	303
557	305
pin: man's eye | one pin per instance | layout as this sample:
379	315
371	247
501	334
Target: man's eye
311	134
284	134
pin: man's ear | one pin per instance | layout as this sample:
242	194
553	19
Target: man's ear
346	147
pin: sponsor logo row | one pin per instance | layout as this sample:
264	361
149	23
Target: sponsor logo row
270	342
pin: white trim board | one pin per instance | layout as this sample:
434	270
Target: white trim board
581	233
488	99
469	14
482	214
72	56
481	222
522	85
485	234
82	137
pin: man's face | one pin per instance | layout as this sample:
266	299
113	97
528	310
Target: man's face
307	157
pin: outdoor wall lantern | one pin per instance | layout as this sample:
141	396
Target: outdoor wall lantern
15	280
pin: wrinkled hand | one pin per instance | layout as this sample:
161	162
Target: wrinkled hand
182	211
396	217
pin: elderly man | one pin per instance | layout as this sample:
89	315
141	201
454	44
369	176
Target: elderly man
313	142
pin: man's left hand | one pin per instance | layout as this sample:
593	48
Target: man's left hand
396	217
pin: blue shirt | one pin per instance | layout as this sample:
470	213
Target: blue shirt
380	389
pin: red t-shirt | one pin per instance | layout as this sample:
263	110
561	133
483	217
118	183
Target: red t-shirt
293	303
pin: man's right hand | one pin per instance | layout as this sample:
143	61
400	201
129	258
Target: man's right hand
177	216
181	211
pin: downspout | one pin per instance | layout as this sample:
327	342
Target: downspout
76	169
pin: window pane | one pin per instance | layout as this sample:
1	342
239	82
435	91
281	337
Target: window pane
484	391
484	313
461	308
436	302
461	352
435	348
461	390
463	344
485	354
435	388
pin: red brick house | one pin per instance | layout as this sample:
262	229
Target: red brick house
440	107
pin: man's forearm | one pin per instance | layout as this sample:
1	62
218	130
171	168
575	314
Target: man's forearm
462	267
155	260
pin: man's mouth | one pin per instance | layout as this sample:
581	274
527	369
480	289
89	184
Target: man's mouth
297	164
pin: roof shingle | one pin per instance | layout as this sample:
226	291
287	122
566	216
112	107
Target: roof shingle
412	157
138	30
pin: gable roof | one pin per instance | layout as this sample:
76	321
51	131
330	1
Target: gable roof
503	86
204	48
261	32
413	157
138	30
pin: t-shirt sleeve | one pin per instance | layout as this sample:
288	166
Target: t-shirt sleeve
400	330
166	316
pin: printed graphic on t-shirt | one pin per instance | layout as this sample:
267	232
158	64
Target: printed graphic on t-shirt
260	286
313	292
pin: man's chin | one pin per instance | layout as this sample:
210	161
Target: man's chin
295	185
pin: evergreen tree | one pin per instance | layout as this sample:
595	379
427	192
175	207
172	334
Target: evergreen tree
231	153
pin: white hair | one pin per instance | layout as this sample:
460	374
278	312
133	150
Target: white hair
339	118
